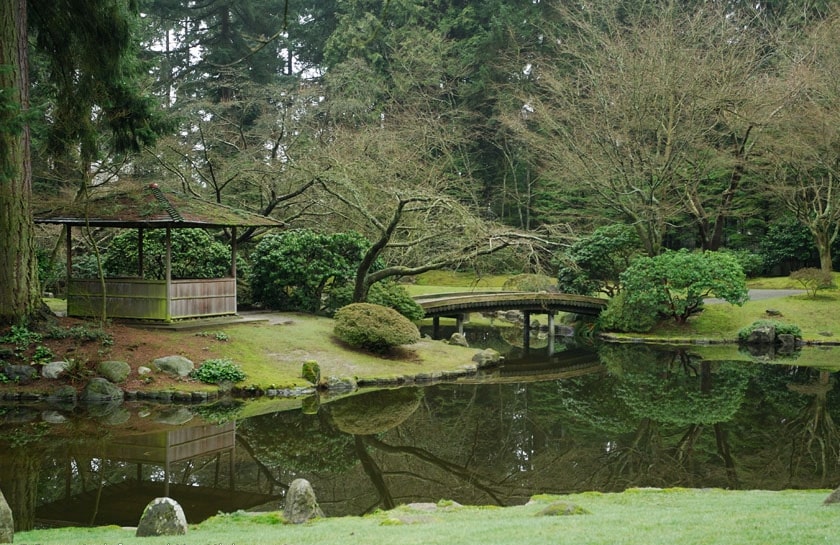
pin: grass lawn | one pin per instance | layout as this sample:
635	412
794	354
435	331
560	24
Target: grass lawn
634	517
815	316
274	353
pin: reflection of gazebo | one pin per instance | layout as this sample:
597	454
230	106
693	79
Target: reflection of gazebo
168	299
119	498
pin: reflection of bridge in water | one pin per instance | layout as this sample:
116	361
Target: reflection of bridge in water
458	305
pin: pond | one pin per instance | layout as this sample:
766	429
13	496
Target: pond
601	417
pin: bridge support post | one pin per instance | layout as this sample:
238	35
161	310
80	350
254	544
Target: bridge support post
459	319
526	330
436	327
551	333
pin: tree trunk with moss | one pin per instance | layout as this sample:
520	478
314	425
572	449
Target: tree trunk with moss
19	293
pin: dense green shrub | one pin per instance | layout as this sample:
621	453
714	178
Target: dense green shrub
782	328
297	269
630	318
676	282
85	266
594	263
374	327
385	293
195	254
218	370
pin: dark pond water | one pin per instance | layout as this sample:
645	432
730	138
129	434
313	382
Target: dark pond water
586	418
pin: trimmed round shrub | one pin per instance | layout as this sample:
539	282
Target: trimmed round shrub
374	327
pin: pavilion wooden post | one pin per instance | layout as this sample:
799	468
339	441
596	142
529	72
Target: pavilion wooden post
233	252
140	271
69	258
233	266
168	275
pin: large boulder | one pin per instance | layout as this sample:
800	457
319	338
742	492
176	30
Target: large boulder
20	374
100	390
301	503
162	517
174	365
115	371
762	335
7	522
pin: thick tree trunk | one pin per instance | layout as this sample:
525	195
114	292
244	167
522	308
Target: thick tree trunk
19	293
823	243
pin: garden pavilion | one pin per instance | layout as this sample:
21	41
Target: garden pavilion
137	297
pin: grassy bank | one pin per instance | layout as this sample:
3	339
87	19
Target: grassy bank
643	517
817	317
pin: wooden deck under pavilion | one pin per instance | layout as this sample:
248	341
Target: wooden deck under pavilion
140	298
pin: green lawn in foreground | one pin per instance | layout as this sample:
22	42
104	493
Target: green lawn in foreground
635	517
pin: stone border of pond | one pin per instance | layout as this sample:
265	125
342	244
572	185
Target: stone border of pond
331	385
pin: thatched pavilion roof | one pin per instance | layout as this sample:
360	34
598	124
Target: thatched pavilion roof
150	207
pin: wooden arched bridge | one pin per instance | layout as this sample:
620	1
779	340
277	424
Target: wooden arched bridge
450	304
457	305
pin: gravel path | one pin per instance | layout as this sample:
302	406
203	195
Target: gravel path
760	295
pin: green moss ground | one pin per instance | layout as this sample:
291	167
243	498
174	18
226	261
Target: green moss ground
273	354
635	517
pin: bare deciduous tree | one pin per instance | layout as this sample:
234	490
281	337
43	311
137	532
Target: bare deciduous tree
649	117
804	154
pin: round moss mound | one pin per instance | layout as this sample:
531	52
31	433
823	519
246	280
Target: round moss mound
373	327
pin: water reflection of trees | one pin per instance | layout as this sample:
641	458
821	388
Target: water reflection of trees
657	418
676	397
645	417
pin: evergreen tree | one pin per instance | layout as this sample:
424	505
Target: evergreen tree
88	45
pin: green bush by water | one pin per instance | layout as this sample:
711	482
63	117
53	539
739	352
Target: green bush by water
219	370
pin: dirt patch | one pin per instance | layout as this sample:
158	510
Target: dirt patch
86	344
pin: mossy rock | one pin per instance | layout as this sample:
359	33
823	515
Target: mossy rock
115	371
100	390
375	412
562	509
311	371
